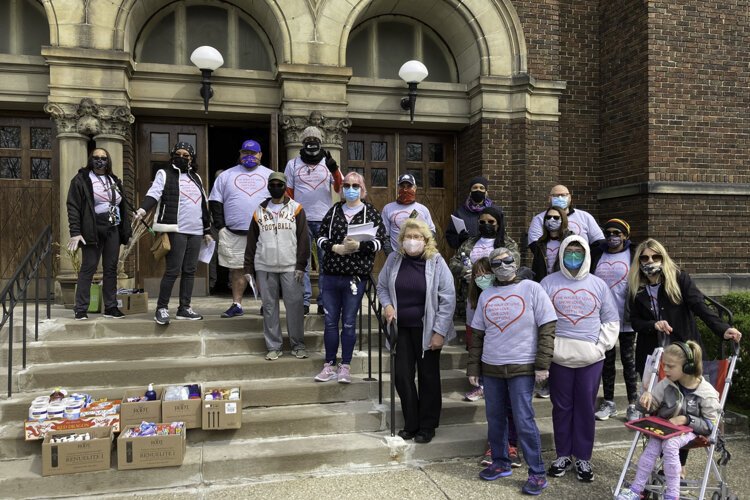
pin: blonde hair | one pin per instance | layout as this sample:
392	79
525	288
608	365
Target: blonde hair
358	180
675	351
430	247
637	279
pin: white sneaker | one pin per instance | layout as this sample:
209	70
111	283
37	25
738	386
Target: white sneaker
606	409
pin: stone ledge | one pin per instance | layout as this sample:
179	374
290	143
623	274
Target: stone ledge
718	284
689	188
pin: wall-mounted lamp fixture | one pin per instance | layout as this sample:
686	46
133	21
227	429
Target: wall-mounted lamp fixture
412	72
207	59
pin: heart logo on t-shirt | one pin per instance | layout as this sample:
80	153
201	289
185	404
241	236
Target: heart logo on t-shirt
397	218
613	273
574	226
316	176
505	311
250	184
574	305
189	190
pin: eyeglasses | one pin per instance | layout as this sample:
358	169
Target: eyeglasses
413	237
557	195
551	217
505	260
351	186
612	233
646	258
183	155
99	157
490	222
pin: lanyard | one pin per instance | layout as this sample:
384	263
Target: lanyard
654	299
110	186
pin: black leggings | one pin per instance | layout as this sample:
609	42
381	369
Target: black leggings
627	358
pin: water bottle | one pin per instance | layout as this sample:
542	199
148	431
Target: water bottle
465	260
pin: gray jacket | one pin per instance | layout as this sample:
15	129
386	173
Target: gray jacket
702	407
440	301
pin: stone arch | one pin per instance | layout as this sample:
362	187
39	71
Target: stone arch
133	15
489	40
54	30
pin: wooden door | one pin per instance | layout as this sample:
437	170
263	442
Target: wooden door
155	141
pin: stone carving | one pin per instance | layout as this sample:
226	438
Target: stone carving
89	118
315	7
333	129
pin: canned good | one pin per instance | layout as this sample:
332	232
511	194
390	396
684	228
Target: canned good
55	410
40	400
73	415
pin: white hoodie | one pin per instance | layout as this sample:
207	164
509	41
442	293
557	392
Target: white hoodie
588	323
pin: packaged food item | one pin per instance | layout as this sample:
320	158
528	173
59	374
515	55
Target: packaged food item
70	437
58	394
223	394
146	429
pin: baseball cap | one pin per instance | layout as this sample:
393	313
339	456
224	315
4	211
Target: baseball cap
250	145
277	176
407	178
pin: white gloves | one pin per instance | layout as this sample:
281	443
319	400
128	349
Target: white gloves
208	238
351	245
299	276
74	242
139	214
540	376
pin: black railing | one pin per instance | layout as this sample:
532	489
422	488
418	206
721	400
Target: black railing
16	291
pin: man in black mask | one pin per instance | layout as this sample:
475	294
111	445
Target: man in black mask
469	212
312	177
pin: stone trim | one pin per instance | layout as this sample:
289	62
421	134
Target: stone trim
661	187
333	129
719	284
90	119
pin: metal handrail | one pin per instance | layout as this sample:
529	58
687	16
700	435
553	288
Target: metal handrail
16	289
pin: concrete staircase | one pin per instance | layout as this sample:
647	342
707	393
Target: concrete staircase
291	424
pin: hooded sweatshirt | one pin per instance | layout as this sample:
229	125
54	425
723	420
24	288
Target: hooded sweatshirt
588	323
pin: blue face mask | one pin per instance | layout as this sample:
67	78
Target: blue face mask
484	282
351	194
573	260
249	161
560	202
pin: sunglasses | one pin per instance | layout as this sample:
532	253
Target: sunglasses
500	262
276	185
613	233
99	157
351	186
646	258
551	217
490	222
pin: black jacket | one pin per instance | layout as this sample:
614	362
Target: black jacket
539	263
81	214
681	317
471	219
333	230
598	250
166	217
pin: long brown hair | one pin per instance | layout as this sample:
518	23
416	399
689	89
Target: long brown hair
563	225
482	265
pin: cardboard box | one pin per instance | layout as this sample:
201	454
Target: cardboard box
188	411
135	413
77	456
150	451
133	303
222	414
35	430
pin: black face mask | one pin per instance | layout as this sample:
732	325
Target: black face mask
98	164
276	191
311	153
181	163
477	196
487	231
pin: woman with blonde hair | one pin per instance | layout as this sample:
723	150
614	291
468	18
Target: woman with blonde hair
663	301
416	289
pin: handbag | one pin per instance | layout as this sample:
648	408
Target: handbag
161	246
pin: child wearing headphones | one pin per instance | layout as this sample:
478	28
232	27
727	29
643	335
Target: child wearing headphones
683	397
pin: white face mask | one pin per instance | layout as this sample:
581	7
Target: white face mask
413	247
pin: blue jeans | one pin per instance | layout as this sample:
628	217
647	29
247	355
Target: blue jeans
312	230
341	305
520	390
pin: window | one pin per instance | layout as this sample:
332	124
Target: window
378	47
23	27
26	150
177	30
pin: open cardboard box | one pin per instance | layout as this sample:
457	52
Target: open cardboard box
77	456
135	413
221	414
188	411
146	452
132	303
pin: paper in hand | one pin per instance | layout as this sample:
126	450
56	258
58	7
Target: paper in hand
459	224
362	232
251	282
206	251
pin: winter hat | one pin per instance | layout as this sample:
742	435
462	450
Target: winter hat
313	132
495	212
183	145
618	224
277	176
479	180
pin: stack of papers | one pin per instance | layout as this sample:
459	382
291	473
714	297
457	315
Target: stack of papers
362	232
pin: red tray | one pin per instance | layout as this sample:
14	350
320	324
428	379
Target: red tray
658	427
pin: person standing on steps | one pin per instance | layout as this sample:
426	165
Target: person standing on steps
181	212
278	247
98	223
312	178
235	196
469	212
405	207
579	222
415	288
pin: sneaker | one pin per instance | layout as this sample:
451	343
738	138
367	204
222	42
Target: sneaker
628	494
321	311
113	312
495	471
486	458
606	409
162	316
234	310
188	313
273	355
307	310
515	460
406	435
81	315
344	376
475	394
300	353
542	389
560	466
535	484
632	413
584	470
424	437
327	373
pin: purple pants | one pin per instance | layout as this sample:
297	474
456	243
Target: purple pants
670	448
573	393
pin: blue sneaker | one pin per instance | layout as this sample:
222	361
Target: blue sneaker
234	310
495	471
535	484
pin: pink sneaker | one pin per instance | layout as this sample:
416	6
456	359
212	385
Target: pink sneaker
475	394
344	376
327	373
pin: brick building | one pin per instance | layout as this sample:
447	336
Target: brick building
639	107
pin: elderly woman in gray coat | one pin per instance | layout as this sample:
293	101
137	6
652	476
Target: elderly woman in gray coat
416	290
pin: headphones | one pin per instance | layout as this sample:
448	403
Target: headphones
688	368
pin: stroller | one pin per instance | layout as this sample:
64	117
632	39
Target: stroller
719	373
